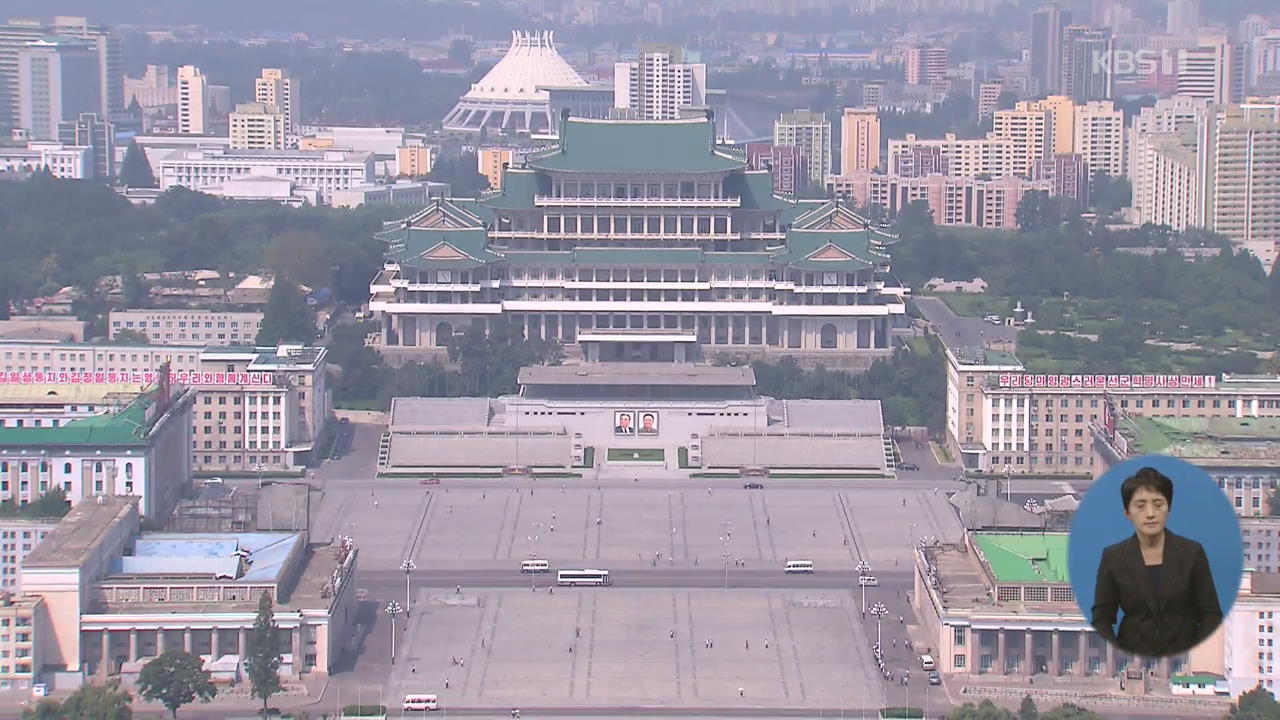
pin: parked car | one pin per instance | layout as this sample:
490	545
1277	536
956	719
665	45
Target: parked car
909	466
753	486
935	678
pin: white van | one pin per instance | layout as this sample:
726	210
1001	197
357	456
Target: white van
799	566
927	664
421	702
868	581
535	566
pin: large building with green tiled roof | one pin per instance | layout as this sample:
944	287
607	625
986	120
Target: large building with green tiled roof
642	241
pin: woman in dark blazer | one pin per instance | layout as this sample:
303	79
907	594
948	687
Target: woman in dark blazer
1161	580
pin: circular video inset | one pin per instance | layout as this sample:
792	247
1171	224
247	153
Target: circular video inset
1155	556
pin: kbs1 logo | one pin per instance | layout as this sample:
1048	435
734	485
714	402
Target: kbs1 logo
1137	62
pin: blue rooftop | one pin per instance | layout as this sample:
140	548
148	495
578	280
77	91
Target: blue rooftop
255	557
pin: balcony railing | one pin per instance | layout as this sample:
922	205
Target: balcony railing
556	201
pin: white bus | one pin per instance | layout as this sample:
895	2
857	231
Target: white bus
583	577
535	566
799	566
421	702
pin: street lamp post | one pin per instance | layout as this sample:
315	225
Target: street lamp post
261	468
727	526
408	566
533	553
864	568
879	610
393	608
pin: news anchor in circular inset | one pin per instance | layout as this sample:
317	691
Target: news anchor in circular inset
1159	585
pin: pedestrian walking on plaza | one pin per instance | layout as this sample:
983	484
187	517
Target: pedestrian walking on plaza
707	643
446	683
463	662
458	591
746	644
481	642
742	692
577	632
815	533
413	669
766	643
673	633
570	649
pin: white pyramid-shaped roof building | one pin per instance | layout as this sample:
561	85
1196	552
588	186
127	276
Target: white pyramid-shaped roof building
507	97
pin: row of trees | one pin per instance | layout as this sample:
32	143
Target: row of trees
1059	254
910	385
175	678
484	365
1256	704
74	232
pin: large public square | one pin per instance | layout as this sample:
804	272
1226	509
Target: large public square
679	627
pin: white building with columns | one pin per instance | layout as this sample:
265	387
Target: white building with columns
642	241
116	596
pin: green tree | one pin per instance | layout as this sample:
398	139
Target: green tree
130	336
262	663
462	173
287	316
88	702
174	679
461	50
1107	194
301	255
1028	710
135	171
134	292
985	710
1256	704
1071	711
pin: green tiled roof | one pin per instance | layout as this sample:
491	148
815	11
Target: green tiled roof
803	244
1025	558
756	189
518	190
126	427
453	248
637	146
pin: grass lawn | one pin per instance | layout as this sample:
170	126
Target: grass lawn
919	346
588	457
682	456
975	304
636	455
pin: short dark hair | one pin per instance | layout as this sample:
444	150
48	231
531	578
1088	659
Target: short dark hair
1149	478
648	415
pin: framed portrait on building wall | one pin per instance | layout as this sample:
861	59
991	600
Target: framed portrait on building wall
624	422
648	422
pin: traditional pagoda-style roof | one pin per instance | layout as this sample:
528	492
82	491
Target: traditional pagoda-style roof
755	187
442	249
591	145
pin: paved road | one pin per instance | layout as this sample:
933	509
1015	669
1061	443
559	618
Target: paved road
659	578
957	331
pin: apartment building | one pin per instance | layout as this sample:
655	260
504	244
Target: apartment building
257	126
277	87
955	201
15	35
58	79
969	158
184	326
924	65
1169	118
1099	137
1239	161
18	536
1030	131
859	140
193	101
811	132
659	84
